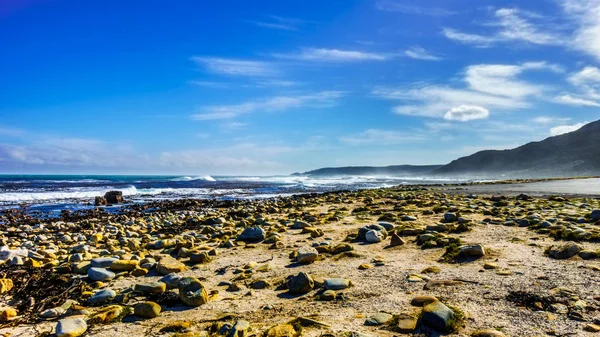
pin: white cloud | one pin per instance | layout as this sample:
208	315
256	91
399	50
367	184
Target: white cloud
545	120
513	25
236	67
488	86
334	55
396	6
466	38
586	14
278	22
562	129
273	104
588	75
382	137
568	99
209	84
421	54
465	113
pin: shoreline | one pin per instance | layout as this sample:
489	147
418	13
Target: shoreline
244	253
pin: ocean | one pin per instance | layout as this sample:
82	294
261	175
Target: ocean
53	193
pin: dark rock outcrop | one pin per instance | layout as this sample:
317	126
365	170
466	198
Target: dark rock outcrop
113	197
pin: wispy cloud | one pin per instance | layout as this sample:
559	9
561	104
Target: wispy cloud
209	84
403	7
512	25
236	67
279	22
382	137
587	85
420	53
586	15
487	86
569	99
545	120
334	55
279	103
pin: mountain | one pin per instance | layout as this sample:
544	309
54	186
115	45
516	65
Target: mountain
397	170
572	154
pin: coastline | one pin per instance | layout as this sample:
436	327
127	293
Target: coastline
251	278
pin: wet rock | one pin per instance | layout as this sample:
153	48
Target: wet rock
438	316
100	201
379	319
192	292
300	284
307	255
336	284
100	274
252	234
565	251
71	327
114	197
147	309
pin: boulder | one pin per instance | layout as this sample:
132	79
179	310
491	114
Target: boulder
100	274
300	284
595	216
565	251
307	255
374	236
192	292
147	309
396	240
438	316
113	197
473	251
252	234
100	201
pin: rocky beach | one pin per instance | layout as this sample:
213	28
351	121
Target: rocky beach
407	260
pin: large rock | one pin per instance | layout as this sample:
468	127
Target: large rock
102	296
171	280
147	309
438	316
362	232
100	201
100	274
300	284
114	197
307	255
192	292
565	251
374	236
473	251
252	234
336	284
124	265
595	215
150	288
379	319
169	265
71	327
102	262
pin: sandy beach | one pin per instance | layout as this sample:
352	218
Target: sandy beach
384	262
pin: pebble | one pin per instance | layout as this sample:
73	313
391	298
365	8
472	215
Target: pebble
150	288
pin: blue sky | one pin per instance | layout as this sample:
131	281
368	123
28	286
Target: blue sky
271	87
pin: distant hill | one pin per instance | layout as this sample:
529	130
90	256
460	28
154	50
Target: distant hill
573	154
396	170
